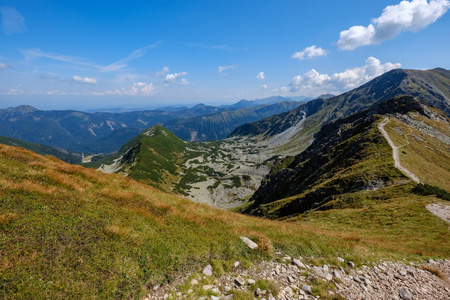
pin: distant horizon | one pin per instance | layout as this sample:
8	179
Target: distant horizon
132	106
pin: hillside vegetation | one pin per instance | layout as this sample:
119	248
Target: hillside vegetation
70	232
351	155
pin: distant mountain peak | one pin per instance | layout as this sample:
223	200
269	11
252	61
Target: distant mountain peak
24	109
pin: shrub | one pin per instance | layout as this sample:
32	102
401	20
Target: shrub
426	189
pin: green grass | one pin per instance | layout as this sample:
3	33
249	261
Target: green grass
70	232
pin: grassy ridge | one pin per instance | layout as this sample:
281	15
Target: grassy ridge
69	232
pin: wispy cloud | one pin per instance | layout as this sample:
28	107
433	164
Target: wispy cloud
138	89
309	53
123	63
162	72
220	69
31	54
84	79
2	66
12	21
412	15
217	47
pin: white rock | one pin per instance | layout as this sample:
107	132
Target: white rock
251	281
340	259
251	244
215	298
194	282
236	264
307	288
208	270
207	287
298	263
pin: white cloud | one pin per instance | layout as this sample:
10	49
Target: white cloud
162	72
412	15
138	88
309	53
15	91
264	86
84	79
12	21
224	68
2	66
313	83
184	82
172	78
261	76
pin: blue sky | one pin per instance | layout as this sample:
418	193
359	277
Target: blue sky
98	54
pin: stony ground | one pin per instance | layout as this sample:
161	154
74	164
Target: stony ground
288	278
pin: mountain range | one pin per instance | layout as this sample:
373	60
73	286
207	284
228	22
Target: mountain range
104	132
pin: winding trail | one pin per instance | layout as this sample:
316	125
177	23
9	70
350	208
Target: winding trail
395	152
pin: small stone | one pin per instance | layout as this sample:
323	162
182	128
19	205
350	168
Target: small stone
404	293
258	292
194	282
328	276
351	264
340	259
431	261
251	244
298	263
271	297
215	291
290	279
207	287
215	298
156	287
236	264
190	291
166	296
251	281
287	257
337	274
318	271
402	272
239	281
357	279
307	288
325	268
228	297
208	270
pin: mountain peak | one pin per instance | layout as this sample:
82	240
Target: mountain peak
23	109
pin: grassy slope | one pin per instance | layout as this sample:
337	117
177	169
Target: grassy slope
70	232
42	149
425	156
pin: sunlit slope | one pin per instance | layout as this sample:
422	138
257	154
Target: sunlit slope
351	155
70	232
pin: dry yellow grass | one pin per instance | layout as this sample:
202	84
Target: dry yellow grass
435	271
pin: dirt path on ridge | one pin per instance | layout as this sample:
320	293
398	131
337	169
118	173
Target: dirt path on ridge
395	152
